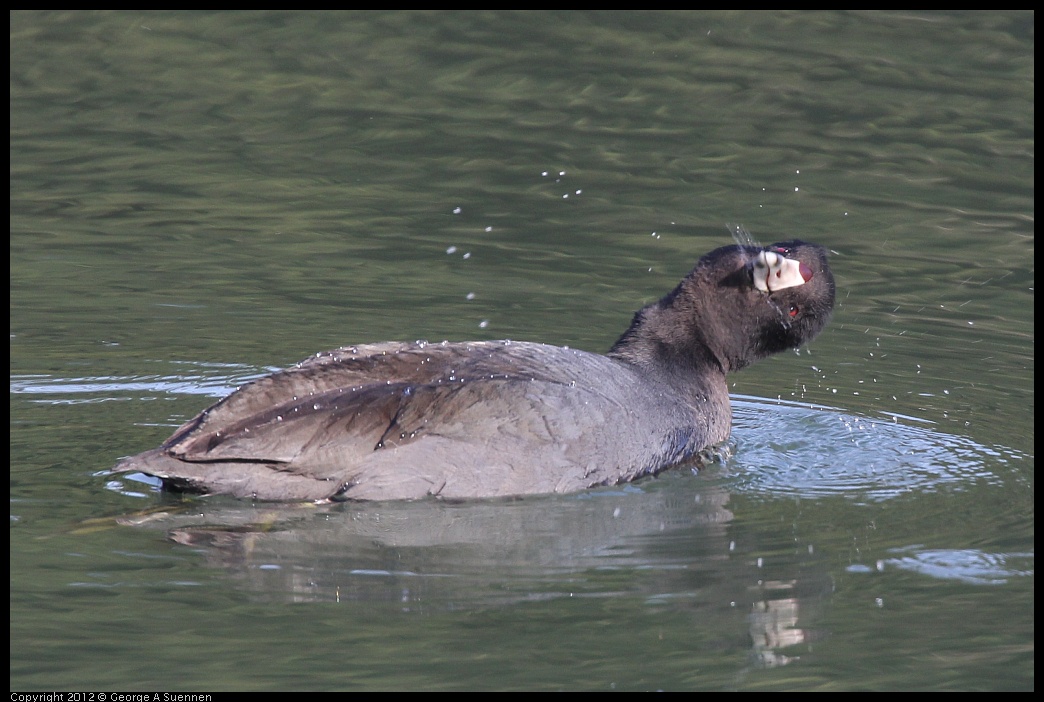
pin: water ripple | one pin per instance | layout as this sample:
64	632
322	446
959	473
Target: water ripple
811	451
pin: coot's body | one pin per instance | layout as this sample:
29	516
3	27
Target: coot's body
496	418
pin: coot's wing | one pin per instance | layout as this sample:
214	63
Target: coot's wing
323	375
483	437
307	432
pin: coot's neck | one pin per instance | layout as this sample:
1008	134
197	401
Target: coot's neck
661	341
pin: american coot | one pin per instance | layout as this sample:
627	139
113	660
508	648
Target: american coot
495	418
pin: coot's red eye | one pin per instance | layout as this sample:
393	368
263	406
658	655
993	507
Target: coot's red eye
794	310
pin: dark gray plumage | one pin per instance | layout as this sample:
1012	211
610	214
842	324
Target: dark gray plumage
494	418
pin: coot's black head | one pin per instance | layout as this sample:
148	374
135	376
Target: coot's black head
739	304
757	301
